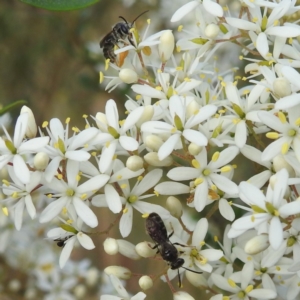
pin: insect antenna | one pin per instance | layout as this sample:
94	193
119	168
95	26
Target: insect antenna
123	19
138	17
191	270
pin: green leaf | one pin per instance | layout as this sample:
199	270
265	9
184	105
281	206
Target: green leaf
11	106
60	4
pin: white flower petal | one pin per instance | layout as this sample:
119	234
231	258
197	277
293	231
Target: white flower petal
224	184
275	233
241	24
168	146
30	207
200	197
18	214
53	209
128	143
85	241
21	169
20	129
200	231
125	224
66	251
172	188
113	199
93	184
213	8
288	101
82	138
112	114
241	134
284	31
195	137
226	210
262	44
85	213
147	90
183	173
184	10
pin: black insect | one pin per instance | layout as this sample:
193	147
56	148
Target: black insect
157	230
119	33
61	242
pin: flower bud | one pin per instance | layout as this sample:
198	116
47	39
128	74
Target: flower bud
118	271
212	31
128	76
127	249
194	149
111	246
152	159
41	161
280	163
257	244
182	296
91	277
31	129
174	206
282	87
14	285
153	142
166	46
79	291
144	250
145	282
197	280
146	115
134	163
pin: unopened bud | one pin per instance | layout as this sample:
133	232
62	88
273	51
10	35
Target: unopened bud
197	280
282	87
144	249
79	291
166	46
41	161
153	142
118	271
145	282
194	149
14	285
174	206
182	296
280	163
91	277
212	31
128	76
146	115
257	244
31	129
152	159
127	249
134	163
111	246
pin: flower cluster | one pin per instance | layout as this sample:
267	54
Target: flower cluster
193	117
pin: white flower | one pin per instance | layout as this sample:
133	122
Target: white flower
246	288
20	196
113	135
69	193
288	132
179	128
11	150
267	211
64	147
67	236
196	258
205	175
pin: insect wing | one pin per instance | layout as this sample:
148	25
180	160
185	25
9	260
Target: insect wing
156	228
